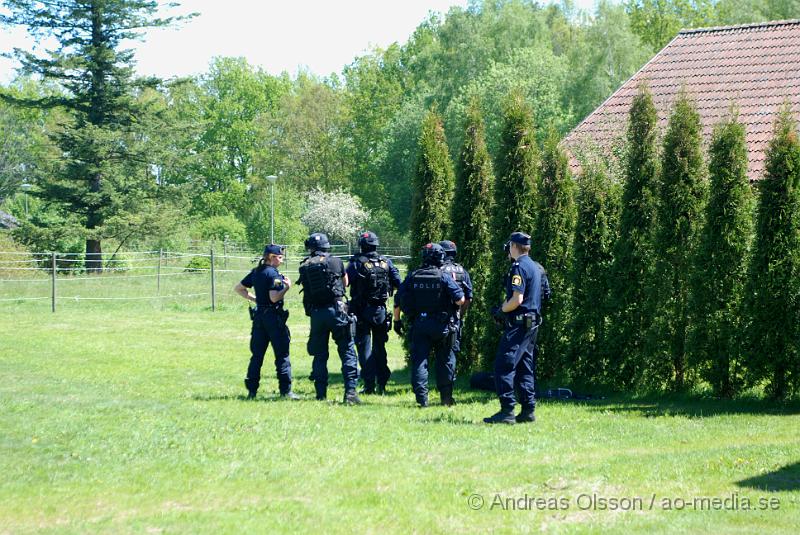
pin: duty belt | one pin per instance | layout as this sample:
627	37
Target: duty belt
529	319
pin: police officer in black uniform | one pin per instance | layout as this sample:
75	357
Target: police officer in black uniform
462	278
373	278
324	279
269	321
429	298
526	286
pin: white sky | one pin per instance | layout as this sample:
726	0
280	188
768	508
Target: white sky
278	35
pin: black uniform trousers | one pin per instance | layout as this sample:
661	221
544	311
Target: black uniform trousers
430	333
269	326
372	333
327	321
515	366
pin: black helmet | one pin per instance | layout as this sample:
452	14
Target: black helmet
368	241
449	248
433	254
318	242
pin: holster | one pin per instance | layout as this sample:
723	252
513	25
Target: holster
452	336
353	325
252	312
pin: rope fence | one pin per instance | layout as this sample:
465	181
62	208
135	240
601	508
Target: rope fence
147	275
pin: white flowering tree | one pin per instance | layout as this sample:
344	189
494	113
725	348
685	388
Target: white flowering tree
337	213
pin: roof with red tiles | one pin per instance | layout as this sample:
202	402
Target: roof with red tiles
755	66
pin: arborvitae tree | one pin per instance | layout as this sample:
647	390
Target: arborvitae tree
598	217
97	79
551	245
719	270
633	250
471	216
515	199
679	212
432	185
771	300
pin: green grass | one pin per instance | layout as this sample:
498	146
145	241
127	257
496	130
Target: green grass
129	417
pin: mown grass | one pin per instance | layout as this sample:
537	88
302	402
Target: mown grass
129	417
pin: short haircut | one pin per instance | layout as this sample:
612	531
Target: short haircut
524	249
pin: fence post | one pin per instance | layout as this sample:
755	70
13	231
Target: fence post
213	284
158	272
53	285
225	252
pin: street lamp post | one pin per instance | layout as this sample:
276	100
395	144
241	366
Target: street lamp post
25	187
272	179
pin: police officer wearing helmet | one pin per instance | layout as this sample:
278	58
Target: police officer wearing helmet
462	278
324	279
373	278
429	298
269	321
526	285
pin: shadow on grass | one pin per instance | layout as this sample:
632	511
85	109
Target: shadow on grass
783	479
692	407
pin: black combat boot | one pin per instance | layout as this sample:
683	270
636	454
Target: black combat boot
525	415
381	391
322	393
504	416
368	389
351	398
422	400
446	395
251	389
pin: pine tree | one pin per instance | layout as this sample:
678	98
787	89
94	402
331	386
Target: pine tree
719	270
471	215
98	84
679	212
771	302
551	245
518	168
598	217
633	250
432	187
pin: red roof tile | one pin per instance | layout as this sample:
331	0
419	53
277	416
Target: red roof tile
755	66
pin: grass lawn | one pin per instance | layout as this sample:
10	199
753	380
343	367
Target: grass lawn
131	418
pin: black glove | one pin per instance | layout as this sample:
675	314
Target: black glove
398	327
498	315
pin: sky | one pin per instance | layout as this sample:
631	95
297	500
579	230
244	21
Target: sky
321	36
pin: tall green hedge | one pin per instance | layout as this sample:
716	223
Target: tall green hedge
471	217
551	245
679	211
598	205
631	272
518	168
771	300
432	187
720	269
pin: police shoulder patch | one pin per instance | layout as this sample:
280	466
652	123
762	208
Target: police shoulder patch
516	280
368	265
277	284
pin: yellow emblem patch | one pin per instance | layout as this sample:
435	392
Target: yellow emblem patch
516	280
368	265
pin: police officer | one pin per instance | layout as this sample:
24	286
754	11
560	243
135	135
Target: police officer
324	279
461	276
429	298
269	321
526	285
373	278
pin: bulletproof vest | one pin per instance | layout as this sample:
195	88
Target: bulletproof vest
376	278
457	271
426	291
321	286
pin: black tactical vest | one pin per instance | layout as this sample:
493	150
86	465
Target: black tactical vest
321	286
457	271
375	271
426	292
